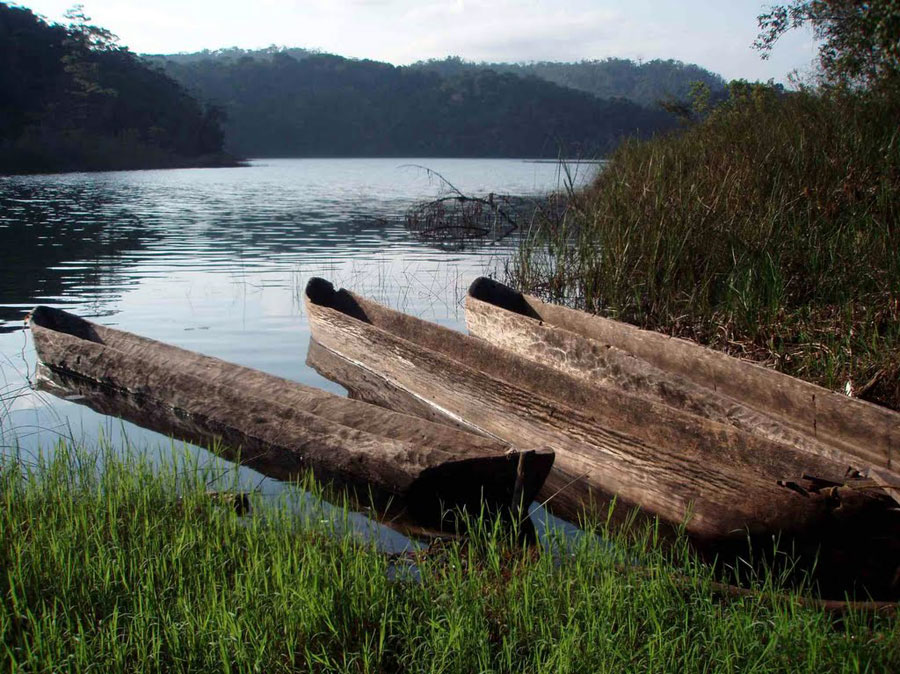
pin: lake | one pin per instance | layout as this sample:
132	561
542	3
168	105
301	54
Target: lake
215	260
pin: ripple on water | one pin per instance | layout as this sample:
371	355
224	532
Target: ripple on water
215	260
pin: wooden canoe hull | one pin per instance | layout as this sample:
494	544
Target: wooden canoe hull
726	486
289	427
684	374
387	508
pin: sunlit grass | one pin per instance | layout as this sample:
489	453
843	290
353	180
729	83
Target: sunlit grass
112	564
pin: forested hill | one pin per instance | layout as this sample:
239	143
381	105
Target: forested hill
72	99
645	83
297	103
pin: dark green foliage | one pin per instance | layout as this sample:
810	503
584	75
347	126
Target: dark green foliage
71	99
325	105
644	83
229	54
768	230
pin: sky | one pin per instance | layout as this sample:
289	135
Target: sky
715	34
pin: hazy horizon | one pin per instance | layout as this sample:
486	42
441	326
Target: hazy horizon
709	33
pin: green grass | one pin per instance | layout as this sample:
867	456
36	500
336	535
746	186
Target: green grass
110	564
768	230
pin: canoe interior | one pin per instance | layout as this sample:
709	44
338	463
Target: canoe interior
370	387
749	490
867	432
282	428
65	322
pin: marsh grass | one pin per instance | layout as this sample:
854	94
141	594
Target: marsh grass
110	564
769	230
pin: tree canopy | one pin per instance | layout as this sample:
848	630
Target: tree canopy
645	83
72	98
860	40
283	103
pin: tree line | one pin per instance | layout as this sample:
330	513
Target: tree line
72	98
646	83
297	103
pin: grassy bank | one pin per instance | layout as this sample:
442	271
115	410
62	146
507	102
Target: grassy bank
114	566
768	230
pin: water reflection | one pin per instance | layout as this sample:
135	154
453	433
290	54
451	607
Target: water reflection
399	521
56	242
90	238
396	523
215	261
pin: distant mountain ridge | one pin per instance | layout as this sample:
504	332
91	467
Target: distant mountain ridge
646	83
230	54
294	102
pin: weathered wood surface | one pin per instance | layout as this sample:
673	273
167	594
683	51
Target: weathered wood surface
387	508
371	387
726	484
285	424
685	375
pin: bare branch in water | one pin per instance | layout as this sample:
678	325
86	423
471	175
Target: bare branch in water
434	174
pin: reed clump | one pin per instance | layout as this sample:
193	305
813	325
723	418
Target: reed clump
768	230
111	564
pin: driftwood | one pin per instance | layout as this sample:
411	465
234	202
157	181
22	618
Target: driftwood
285	426
460	218
726	486
456	218
685	375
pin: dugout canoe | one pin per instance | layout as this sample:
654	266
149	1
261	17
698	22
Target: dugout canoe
387	509
685	375
727	487
286	427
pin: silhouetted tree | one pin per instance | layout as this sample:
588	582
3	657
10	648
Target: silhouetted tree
860	40
72	98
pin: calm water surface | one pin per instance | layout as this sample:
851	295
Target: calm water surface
215	260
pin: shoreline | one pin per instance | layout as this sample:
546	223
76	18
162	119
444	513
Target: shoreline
224	161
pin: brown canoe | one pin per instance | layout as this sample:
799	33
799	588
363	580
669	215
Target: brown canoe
727	486
287	427
387	509
685	375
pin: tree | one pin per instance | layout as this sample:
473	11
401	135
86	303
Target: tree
71	98
87	35
860	40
